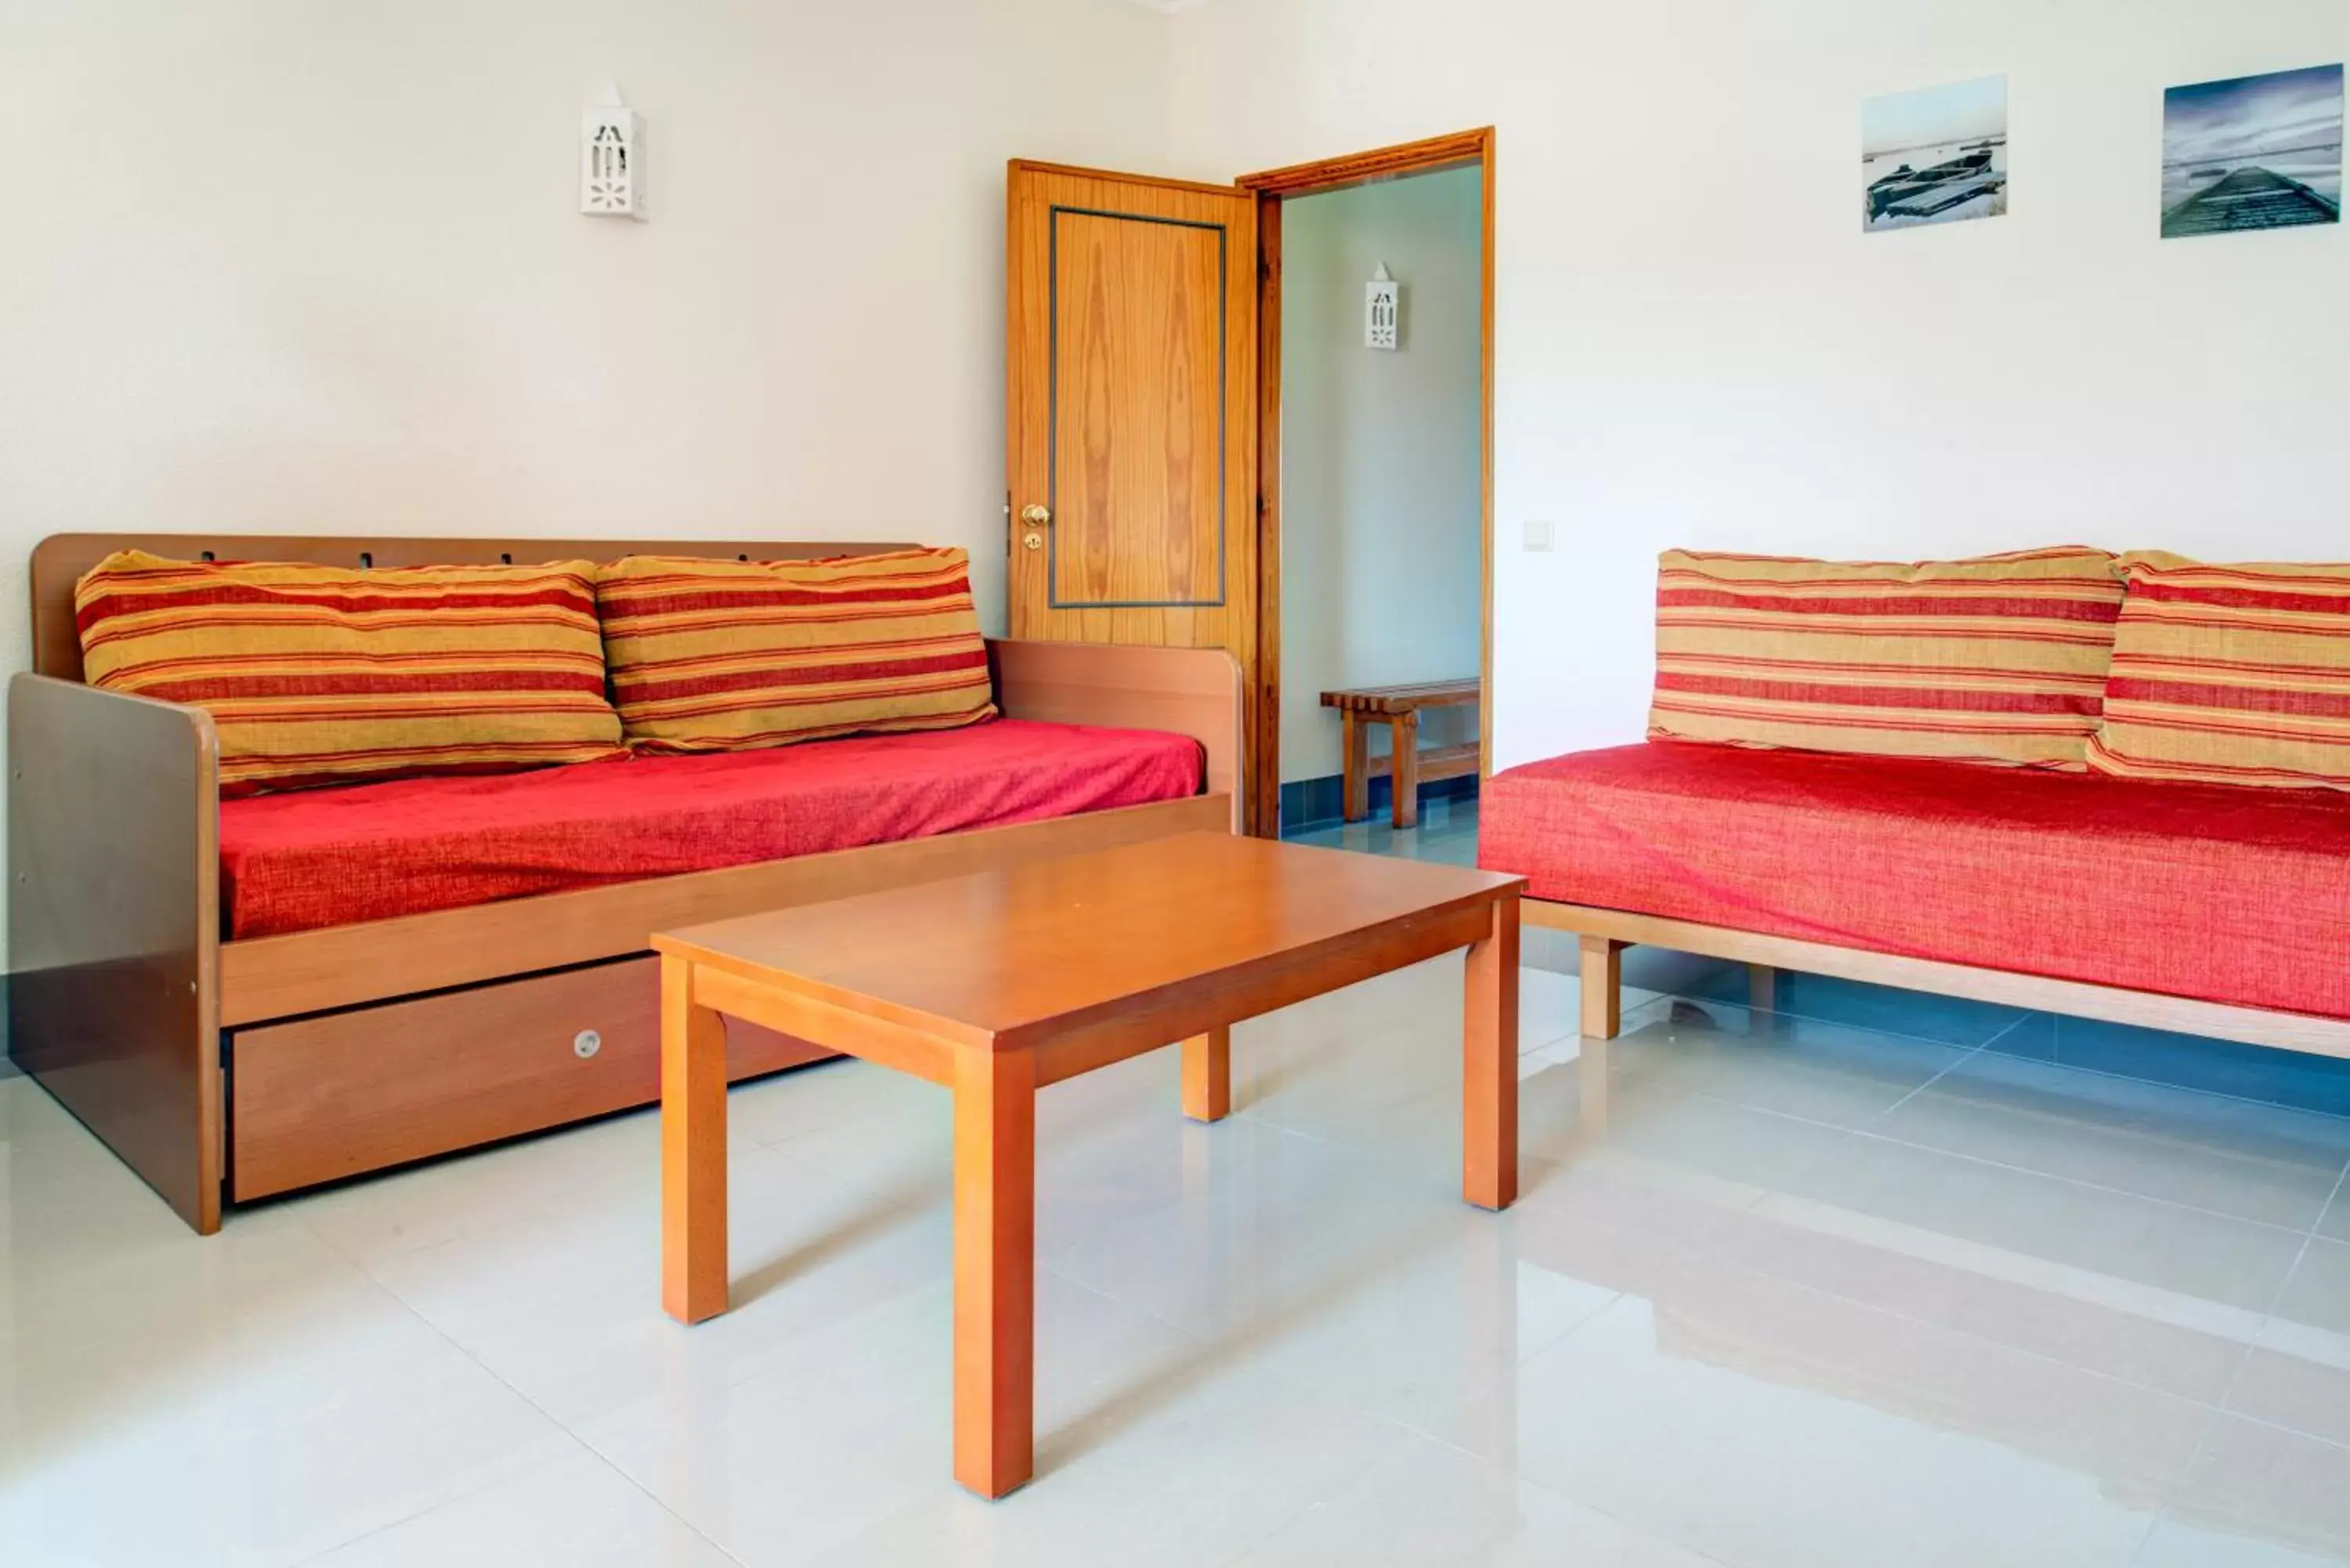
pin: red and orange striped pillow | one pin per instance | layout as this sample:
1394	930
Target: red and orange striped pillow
320	675
2230	674
723	655
2001	659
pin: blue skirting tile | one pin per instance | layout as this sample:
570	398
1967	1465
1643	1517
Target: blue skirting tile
1322	802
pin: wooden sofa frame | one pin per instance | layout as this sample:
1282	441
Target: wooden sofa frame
1605	934
223	1071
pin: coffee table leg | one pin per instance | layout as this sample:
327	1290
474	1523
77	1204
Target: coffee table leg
995	1268
693	1150
1488	1134
1208	1075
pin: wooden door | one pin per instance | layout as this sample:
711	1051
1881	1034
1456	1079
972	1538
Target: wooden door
1132	412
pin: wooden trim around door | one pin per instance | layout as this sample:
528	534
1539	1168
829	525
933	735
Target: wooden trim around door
1486	474
1264	750
1461	150
1430	156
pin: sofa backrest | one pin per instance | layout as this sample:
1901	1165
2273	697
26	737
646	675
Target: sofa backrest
1995	659
60	560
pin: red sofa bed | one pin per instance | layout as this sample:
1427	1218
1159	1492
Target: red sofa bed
313	858
2210	892
246	996
2213	909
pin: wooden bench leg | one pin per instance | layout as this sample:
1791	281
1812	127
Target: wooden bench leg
1403	766
693	1149
1603	988
1355	739
995	1268
1208	1075
1489	1128
1761	988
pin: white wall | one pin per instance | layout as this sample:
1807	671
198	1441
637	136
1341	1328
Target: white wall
1380	503
271	265
1697	345
275	264
278	266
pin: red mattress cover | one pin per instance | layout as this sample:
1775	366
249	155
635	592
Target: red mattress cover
310	859
2220	892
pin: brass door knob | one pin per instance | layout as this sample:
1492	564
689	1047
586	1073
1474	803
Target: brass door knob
1035	516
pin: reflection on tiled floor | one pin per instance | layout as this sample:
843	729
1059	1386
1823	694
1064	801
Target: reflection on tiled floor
1783	1290
1447	833
2222	1066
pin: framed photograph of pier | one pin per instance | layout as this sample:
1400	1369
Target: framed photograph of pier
1935	156
2252	152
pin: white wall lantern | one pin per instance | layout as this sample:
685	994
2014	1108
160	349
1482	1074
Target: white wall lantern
1382	311
611	159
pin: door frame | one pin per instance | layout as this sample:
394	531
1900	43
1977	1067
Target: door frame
1461	150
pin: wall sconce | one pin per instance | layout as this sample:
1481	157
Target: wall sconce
1382	311
611	159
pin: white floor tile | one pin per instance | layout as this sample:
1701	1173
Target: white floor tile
571	1172
2281	1383
1703	1421
2177	1543
2318	1295
1187	1467
2190	1252
572	1512
2064	1316
566	1309
2257	1489
1794	1067
268	1460
2233	1156
1434	1504
1597	1109
1814	1288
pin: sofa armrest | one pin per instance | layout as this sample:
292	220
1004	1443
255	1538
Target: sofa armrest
114	925
1193	691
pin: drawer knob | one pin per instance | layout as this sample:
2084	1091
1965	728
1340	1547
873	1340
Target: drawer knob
585	1043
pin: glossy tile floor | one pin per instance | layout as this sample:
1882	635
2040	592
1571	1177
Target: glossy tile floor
1783	1291
1447	832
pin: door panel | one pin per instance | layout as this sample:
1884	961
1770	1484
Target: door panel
1132	412
1137	393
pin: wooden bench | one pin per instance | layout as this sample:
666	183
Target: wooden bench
1399	707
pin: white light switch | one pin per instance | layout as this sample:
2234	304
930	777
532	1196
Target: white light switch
1538	534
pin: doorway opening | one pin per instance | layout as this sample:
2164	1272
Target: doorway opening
1375	451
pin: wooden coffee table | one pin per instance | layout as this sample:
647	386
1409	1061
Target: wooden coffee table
1000	983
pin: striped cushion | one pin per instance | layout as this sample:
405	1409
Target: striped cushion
319	675
1996	660
2234	674
725	656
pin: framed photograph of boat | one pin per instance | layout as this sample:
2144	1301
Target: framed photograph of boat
2252	152
1935	156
